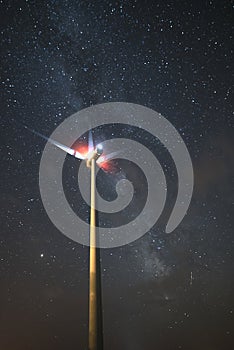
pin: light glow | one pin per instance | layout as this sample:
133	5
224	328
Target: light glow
83	150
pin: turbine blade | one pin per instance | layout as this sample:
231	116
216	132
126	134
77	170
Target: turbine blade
64	148
91	145
107	157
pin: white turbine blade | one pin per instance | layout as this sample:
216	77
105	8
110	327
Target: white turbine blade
79	155
107	157
91	145
64	148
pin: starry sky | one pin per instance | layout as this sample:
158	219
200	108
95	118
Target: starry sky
163	291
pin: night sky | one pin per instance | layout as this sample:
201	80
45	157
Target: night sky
163	291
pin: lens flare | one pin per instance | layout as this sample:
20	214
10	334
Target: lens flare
83	150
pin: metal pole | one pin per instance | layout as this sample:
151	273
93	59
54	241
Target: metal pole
93	266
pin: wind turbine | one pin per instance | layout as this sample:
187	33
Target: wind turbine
93	157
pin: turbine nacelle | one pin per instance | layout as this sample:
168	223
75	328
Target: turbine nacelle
94	154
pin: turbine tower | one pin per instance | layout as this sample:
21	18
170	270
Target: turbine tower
95	305
92	158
